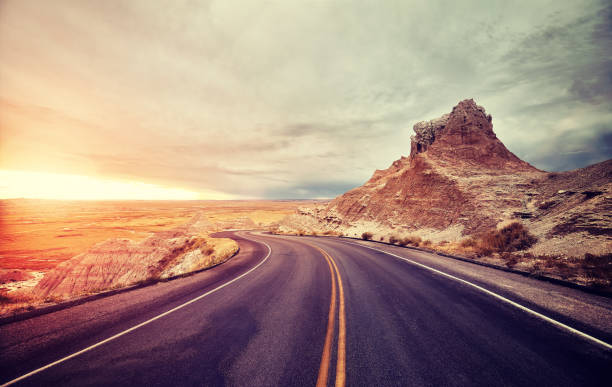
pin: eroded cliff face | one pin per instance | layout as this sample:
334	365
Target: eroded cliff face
459	180
117	263
465	138
459	176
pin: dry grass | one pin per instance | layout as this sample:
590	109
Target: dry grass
366	236
513	237
410	240
598	269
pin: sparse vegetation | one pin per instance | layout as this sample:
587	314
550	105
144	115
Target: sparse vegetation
366	236
468	242
598	269
410	240
393	239
513	237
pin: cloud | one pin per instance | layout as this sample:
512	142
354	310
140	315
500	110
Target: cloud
565	153
282	99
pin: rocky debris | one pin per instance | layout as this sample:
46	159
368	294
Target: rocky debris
578	201
426	133
461	180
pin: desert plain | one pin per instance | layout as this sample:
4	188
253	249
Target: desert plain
38	236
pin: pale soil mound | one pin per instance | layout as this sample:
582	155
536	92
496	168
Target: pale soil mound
117	263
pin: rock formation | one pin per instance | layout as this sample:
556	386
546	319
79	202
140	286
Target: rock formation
118	263
459	180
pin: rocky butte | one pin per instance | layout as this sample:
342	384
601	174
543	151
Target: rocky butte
461	181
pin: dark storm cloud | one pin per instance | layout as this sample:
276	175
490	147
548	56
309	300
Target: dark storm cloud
312	189
566	153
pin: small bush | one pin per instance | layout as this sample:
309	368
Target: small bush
366	236
411	240
598	268
426	243
393	239
469	242
513	237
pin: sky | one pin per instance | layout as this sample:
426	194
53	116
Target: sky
287	99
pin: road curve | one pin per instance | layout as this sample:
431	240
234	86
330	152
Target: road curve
306	311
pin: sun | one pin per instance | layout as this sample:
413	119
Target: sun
45	185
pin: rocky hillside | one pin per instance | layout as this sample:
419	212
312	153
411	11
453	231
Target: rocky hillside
460	181
117	263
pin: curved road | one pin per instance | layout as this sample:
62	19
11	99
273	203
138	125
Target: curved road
293	311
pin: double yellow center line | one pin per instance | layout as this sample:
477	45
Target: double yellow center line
327	348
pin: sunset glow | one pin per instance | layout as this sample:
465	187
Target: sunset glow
44	185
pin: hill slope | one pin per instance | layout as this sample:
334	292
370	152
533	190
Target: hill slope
461	181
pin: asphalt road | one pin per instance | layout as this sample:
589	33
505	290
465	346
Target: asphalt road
269	318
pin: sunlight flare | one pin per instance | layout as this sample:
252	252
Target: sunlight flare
45	185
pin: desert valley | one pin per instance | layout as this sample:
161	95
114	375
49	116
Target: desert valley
57	250
305	193
460	192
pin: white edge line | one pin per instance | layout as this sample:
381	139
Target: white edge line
139	325
502	298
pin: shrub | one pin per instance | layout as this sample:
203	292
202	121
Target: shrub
426	243
513	237
411	240
366	236
598	268
469	242
393	239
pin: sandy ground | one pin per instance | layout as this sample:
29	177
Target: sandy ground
38	235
